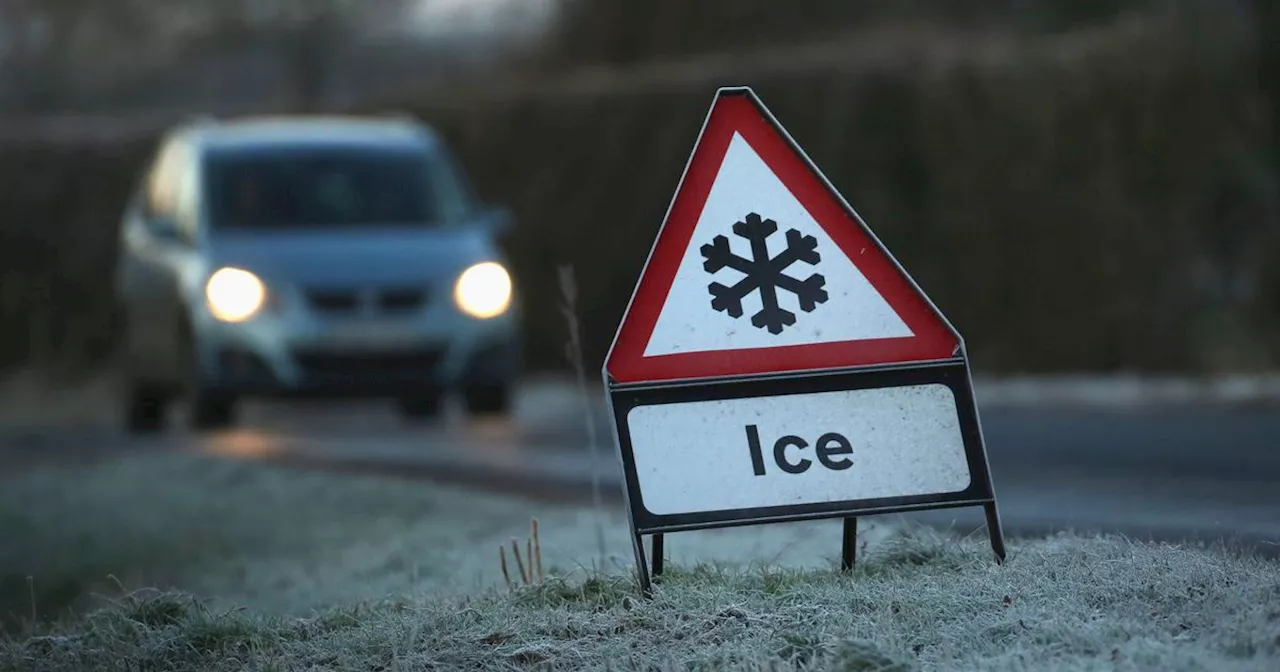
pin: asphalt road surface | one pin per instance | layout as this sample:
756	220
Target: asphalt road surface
1170	471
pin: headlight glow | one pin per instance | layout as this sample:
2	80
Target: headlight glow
234	295
483	290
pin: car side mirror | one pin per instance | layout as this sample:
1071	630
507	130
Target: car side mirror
497	219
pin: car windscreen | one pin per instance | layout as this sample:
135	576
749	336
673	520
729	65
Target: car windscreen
331	187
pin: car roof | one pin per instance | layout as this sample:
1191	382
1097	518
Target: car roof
248	133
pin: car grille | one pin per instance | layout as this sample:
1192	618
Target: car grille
383	300
333	301
328	366
400	300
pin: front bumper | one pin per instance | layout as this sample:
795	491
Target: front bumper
281	354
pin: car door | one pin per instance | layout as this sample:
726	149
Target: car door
159	245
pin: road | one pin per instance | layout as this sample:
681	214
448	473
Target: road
1168	471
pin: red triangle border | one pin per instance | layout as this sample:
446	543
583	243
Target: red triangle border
738	110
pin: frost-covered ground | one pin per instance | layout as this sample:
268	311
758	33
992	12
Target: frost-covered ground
315	571
287	542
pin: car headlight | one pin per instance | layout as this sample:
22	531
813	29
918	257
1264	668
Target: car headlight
483	290
234	294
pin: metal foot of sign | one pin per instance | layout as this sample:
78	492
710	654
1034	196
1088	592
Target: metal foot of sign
849	544
777	364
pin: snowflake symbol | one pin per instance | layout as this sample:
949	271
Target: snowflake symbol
764	274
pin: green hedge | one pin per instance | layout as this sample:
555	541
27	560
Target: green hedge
1071	205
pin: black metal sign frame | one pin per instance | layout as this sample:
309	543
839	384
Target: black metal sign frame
954	374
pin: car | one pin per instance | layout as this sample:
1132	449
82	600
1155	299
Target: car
305	256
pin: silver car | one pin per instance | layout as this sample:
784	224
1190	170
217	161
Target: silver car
311	256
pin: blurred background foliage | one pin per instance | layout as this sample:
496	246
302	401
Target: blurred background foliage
1081	185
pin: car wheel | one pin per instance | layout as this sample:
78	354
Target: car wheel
421	406
144	408
206	408
487	399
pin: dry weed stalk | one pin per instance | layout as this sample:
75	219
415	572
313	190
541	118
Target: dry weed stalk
537	548
515	548
529	565
573	351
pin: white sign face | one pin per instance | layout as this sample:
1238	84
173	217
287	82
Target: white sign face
846	308
798	449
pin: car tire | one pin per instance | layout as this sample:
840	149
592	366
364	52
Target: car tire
421	406
206	409
487	399
145	407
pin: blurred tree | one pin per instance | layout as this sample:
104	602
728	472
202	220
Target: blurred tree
49	39
1266	15
1266	18
304	34
61	50
628	31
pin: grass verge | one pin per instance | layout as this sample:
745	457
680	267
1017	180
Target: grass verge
921	601
279	540
315	571
287	542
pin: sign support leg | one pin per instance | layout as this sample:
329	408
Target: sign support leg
994	530
657	555
849	546
642	566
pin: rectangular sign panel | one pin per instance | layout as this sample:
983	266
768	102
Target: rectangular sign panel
707	454
754	452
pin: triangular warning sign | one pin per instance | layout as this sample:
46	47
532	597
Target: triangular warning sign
761	267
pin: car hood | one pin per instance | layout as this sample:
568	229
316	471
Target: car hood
391	255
